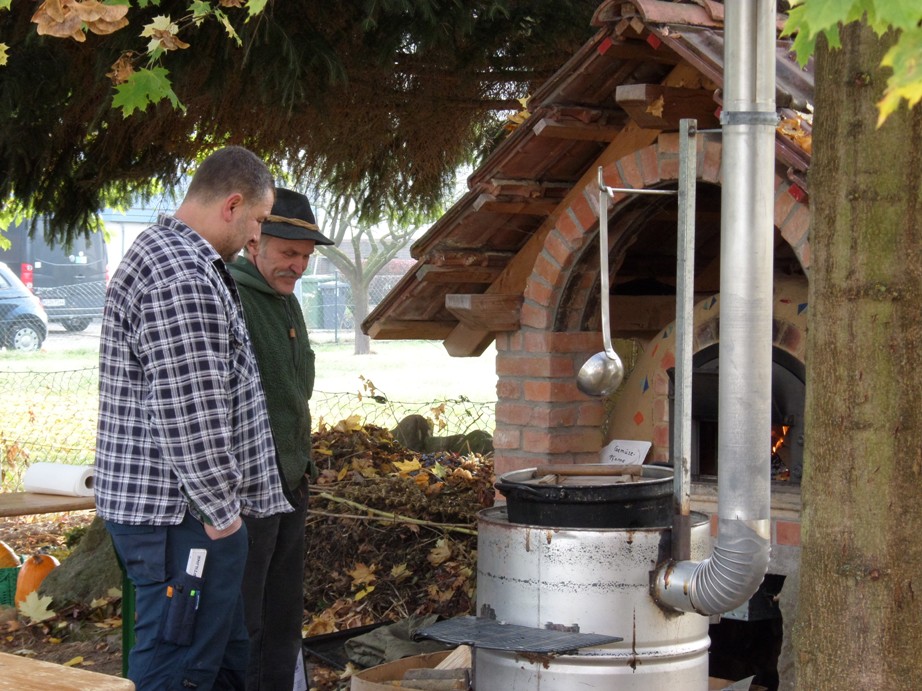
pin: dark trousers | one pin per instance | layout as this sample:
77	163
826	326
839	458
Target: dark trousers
155	559
273	596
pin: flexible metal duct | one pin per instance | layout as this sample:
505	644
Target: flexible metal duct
732	574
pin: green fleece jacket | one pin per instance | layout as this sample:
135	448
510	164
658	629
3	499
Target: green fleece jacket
286	366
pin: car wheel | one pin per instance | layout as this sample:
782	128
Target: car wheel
25	338
77	324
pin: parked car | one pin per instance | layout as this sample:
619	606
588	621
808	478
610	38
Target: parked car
70	281
23	322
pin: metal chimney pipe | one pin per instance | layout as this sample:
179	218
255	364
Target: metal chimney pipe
732	574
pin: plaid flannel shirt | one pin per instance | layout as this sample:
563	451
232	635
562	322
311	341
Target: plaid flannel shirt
182	416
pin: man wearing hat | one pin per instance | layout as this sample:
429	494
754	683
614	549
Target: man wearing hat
273	582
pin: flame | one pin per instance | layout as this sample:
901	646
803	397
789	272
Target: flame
780	442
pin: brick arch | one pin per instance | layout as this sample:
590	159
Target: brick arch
541	415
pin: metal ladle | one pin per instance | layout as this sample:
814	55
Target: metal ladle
603	373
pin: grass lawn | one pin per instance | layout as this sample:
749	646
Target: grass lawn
412	371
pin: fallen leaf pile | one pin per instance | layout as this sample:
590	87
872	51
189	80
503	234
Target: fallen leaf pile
391	532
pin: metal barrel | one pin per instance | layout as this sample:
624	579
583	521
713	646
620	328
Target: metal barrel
590	581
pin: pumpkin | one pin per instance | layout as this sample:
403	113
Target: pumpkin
32	573
8	558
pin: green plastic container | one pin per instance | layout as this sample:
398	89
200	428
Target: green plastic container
8	585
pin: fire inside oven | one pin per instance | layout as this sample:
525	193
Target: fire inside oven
787	432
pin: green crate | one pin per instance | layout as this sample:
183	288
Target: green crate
8	585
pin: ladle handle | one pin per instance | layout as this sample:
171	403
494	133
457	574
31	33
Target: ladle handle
589	469
603	260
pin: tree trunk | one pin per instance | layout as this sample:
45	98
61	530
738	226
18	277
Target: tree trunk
360	311
88	574
859	624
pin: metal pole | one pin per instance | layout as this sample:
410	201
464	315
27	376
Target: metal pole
732	574
685	302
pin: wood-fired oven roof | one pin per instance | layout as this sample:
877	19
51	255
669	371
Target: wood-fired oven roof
633	75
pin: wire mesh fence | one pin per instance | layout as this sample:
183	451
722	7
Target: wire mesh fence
51	417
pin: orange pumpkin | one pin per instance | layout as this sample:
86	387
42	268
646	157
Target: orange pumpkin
8	558
32	573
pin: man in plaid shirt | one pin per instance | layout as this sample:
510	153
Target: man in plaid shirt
183	443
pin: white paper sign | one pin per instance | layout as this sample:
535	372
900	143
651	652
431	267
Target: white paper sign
625	452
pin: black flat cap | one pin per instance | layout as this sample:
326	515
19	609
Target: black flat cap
293	219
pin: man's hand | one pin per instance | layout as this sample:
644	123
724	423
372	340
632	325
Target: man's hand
216	534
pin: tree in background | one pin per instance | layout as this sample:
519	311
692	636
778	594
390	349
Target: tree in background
341	222
859	620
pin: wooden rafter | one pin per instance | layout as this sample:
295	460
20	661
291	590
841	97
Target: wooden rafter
467	342
656	106
490	312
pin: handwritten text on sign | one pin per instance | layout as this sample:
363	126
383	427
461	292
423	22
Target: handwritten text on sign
625	452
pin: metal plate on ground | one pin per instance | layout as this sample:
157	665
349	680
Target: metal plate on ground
494	635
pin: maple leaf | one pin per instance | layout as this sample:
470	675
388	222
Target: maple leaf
326	477
57	18
440	553
99	18
362	574
74	661
408	466
162	32
4	55
144	87
400	572
906	80
353	423
463	474
35	607
438	595
122	69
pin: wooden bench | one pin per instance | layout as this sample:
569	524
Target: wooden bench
26	674
28	503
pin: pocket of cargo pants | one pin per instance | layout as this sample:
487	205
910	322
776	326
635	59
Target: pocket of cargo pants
184	594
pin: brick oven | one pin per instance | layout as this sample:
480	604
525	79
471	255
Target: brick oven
516	261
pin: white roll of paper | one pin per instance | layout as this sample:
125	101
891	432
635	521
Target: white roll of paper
59	478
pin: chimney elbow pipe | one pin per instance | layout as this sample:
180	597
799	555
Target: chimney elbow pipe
723	581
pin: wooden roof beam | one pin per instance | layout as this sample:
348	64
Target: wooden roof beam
458	274
658	107
486	312
575	129
404	329
515	204
470	257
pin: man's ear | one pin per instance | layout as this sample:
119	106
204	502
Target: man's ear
232	203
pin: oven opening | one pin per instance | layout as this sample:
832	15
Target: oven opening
787	432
